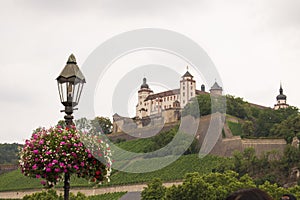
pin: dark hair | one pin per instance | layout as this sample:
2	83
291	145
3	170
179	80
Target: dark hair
249	194
292	197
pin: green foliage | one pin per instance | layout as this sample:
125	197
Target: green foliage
268	167
237	107
199	106
107	196
248	128
154	190
276	192
52	195
102	125
205	104
146	145
94	126
214	186
235	128
9	153
44	195
174	171
288	128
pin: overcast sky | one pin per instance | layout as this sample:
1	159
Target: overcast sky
254	45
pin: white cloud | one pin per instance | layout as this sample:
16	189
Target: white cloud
254	45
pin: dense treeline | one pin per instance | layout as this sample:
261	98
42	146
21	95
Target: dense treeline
258	121
213	186
9	153
270	166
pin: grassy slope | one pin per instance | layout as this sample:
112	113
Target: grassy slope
190	163
236	128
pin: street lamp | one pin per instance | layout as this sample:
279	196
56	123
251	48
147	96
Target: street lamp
70	83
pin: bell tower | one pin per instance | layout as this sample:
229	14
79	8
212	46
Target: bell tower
187	88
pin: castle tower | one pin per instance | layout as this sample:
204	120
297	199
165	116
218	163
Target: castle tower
142	107
187	88
281	100
216	89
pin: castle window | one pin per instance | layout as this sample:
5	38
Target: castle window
174	97
183	83
171	98
168	98
191	87
191	94
141	103
183	101
183	88
183	94
144	104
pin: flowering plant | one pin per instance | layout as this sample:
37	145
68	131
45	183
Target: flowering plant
50	153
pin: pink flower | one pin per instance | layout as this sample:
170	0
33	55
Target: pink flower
48	152
38	176
48	169
62	143
35	151
41	141
57	170
54	161
82	164
76	167
34	167
61	164
43	182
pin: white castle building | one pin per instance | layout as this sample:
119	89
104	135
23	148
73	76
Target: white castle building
164	107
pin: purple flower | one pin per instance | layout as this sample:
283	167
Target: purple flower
34	167
76	167
62	143
61	164
54	161
41	141
57	170
35	151
48	152
43	182
48	169
82	164
38	176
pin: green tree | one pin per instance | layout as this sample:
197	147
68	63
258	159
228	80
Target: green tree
102	125
288	128
154	190
248	128
199	106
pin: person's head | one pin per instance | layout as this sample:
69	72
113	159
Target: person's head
288	197
249	194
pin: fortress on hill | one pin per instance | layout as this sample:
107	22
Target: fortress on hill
165	107
163	110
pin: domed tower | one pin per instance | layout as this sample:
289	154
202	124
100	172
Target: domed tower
143	93
187	88
281	100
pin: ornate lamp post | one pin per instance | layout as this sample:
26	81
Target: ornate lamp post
70	83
